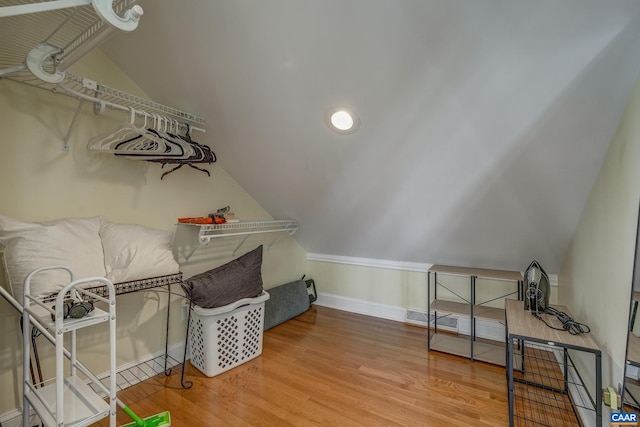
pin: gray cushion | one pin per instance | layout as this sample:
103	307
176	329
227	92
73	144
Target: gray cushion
285	302
237	279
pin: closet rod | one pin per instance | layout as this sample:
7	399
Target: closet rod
25	9
97	33
103	8
99	103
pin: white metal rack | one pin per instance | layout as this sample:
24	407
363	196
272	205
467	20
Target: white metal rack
206	232
67	400
40	40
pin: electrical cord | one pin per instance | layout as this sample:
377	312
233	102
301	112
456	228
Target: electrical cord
568	324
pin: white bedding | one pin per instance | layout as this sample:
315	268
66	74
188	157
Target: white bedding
89	246
133	252
73	242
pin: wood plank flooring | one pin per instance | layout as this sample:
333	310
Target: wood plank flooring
333	368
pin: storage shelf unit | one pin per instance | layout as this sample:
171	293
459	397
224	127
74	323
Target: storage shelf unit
66	399
82	405
459	346
207	232
468	346
544	386
41	40
161	364
67	27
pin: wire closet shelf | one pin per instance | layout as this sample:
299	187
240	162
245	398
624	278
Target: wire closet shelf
212	231
40	40
243	229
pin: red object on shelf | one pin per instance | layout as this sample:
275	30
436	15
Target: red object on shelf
198	220
219	219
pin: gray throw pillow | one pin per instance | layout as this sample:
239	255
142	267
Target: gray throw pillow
237	279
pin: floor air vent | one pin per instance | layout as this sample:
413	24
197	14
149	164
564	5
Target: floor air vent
447	323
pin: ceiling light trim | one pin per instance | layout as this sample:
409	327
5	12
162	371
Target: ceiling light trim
333	114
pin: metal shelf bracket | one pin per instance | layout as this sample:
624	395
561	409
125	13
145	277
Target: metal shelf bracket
40	56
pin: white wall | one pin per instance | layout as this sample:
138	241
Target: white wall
38	181
394	287
391	287
595	279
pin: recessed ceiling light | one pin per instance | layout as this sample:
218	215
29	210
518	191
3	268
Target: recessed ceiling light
342	120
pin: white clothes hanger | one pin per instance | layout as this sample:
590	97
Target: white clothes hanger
138	143
128	138
175	133
172	148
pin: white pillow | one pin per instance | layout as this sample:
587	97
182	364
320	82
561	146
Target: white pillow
133	252
72	242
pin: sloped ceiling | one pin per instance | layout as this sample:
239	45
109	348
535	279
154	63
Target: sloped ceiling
483	123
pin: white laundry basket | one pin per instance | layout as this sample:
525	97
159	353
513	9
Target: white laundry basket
224	337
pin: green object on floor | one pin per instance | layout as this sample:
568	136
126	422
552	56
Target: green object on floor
162	419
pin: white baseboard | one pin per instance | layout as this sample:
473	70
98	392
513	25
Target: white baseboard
128	374
358	306
12	418
484	329
175	353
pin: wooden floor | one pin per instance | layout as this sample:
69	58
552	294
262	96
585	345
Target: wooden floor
333	368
